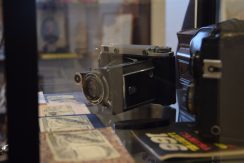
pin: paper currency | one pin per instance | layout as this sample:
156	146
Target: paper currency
64	123
41	98
66	108
61	98
80	146
83	146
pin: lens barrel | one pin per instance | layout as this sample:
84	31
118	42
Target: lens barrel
94	87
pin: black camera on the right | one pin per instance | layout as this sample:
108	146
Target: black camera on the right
210	78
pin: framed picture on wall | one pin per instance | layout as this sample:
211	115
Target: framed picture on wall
62	30
52	30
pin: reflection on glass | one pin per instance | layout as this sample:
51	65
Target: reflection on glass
83	42
70	31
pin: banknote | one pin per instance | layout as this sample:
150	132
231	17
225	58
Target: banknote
64	123
41	98
66	108
89	146
60	98
80	146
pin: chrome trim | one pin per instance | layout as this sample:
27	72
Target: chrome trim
195	13
139	71
183	55
111	66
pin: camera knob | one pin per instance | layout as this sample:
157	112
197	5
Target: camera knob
77	78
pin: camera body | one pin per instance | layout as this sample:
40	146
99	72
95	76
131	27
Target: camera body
129	76
210	85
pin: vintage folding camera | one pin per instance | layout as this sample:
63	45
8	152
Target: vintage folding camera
129	76
210	79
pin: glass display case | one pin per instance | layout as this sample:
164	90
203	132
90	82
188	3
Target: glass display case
121	81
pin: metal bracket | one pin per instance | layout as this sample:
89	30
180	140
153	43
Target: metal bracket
212	68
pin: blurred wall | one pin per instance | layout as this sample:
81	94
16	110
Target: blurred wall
231	9
158	22
174	16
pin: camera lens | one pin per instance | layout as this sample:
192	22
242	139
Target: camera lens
94	88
